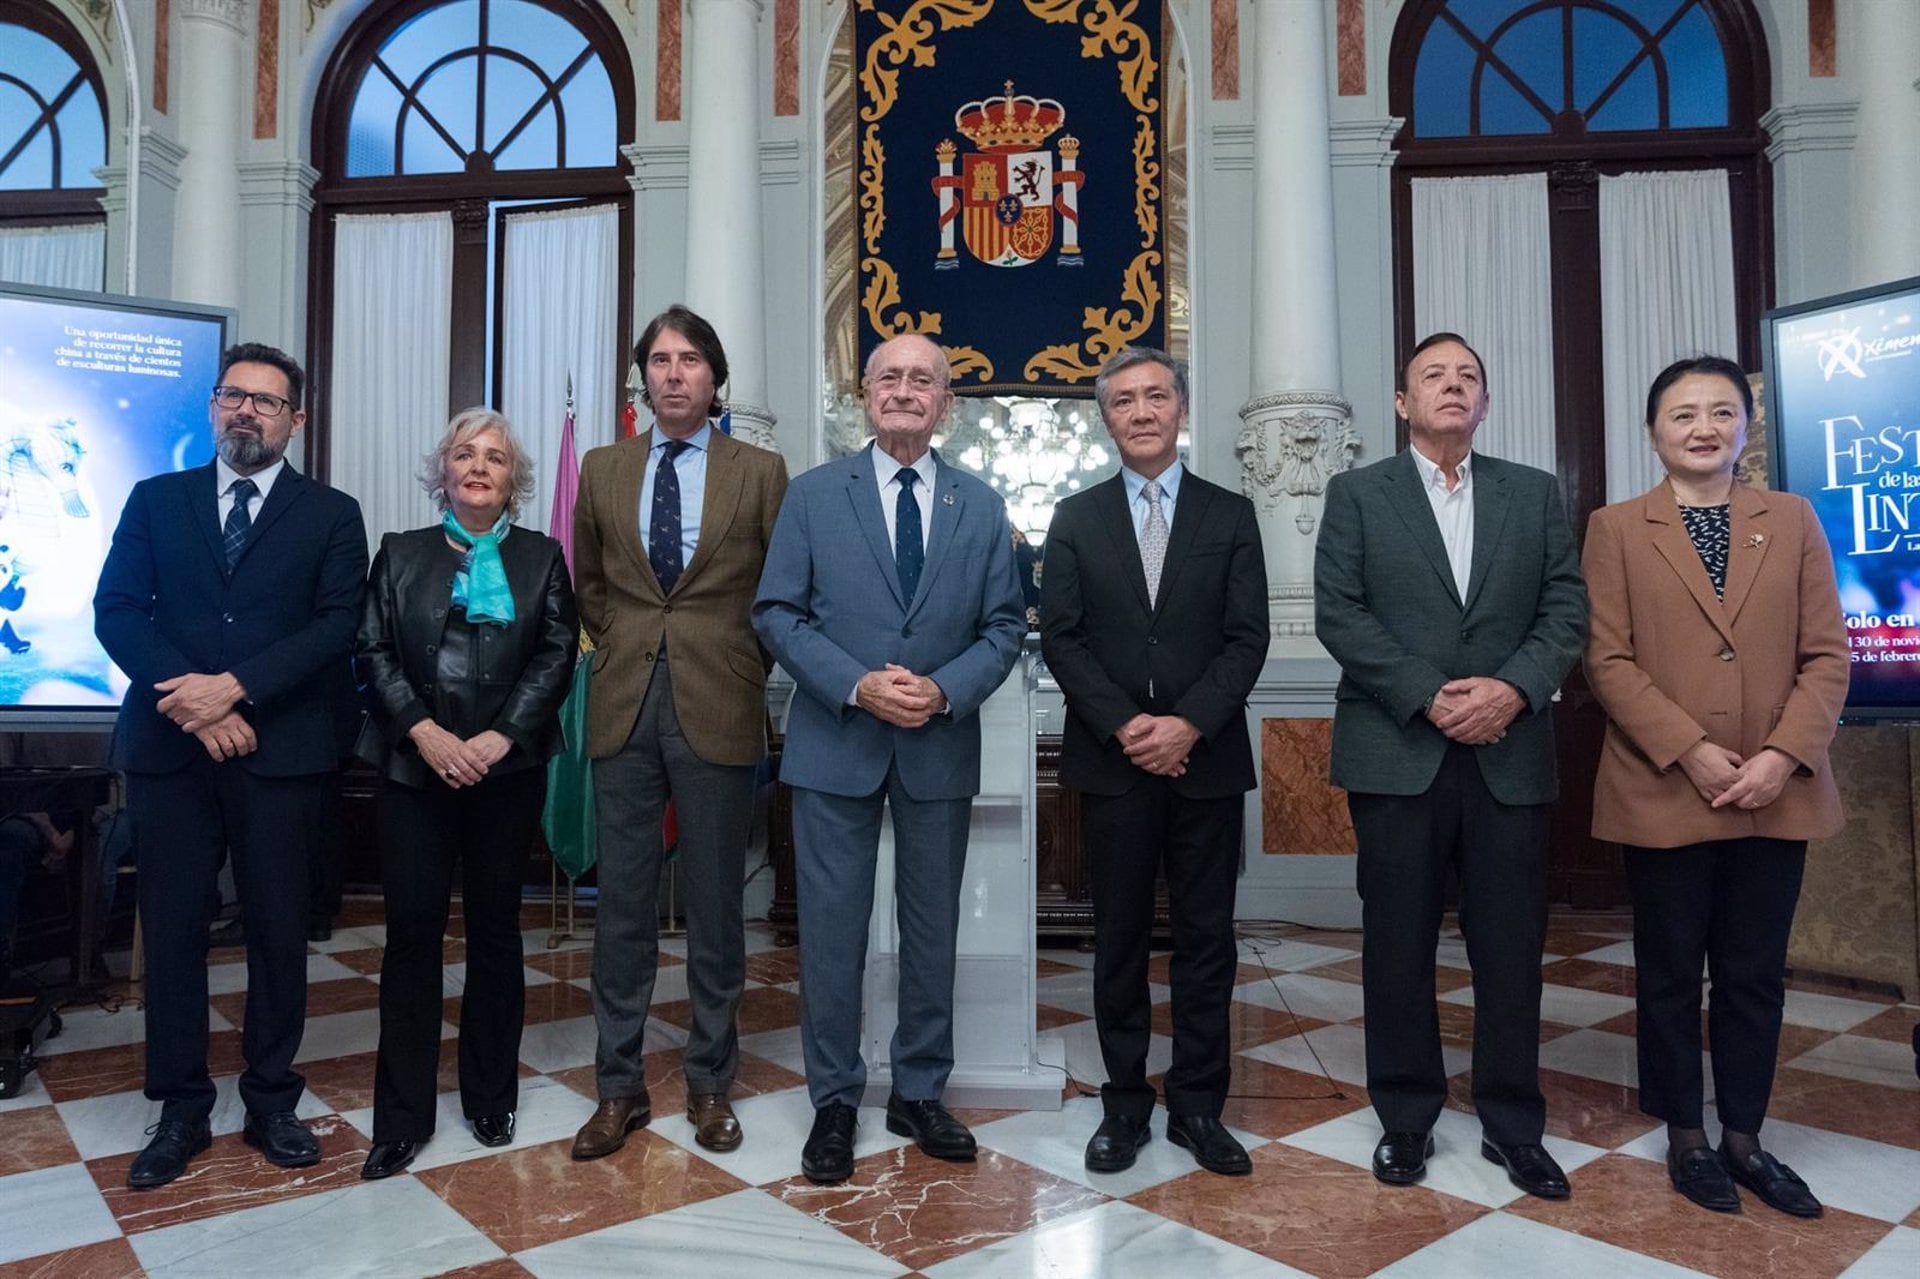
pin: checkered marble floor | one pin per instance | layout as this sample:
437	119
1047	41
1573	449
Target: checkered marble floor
1846	1114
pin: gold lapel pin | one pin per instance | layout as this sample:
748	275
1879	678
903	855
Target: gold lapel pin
1756	539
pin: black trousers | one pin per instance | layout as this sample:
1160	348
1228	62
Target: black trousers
1728	904
486	829
1407	842
1129	838
184	822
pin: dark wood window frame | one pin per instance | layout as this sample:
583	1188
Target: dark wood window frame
56	205
468	196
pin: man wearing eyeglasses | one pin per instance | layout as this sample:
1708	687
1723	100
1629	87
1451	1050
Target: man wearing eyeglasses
229	598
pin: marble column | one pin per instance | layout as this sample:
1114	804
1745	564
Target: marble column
725	239
1886	149
206	240
1296	428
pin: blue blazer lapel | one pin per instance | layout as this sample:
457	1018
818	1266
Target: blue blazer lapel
1409	499
949	509
280	498
864	495
202	494
1490	504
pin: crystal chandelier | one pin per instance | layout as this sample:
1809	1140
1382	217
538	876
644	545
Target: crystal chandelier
1033	452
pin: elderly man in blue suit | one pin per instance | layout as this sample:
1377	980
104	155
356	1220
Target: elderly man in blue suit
229	599
889	596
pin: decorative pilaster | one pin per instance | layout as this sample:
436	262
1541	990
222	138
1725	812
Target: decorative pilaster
160	163
1886	158
211	49
1297	430
725	237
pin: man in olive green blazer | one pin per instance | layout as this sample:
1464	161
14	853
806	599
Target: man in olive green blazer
670	532
1447	587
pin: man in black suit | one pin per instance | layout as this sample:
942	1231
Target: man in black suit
1153	618
229	599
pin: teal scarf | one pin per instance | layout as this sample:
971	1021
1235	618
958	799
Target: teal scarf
481	586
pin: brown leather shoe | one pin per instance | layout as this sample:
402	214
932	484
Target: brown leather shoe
714	1125
607	1130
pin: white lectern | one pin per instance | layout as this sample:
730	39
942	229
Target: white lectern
994	1036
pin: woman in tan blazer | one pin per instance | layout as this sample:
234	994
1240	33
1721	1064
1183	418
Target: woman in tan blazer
1719	652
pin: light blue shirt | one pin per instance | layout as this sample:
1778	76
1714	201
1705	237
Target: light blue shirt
691	470
1137	495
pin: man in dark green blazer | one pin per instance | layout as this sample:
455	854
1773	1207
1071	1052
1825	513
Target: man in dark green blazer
1447	586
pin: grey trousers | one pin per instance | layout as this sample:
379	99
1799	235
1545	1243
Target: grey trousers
714	807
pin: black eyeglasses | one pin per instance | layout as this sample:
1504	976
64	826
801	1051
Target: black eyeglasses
232	397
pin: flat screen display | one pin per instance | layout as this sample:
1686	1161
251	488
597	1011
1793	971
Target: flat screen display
1843	408
97	392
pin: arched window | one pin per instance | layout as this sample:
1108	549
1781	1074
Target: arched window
53	136
481	134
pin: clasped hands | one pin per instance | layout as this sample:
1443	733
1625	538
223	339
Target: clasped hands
203	705
1158	743
455	760
1723	779
898	696
1475	711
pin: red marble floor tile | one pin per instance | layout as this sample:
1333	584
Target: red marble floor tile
1314	1214
357	912
1628	1202
571	964
1160	970
1574	942
1913	1219
761	1008
109	1259
581	1079
1445	979
1585	974
346	995
219	955
1047	1017
230	1177
1842	988
96	1072
1044	967
774	967
34	1138
921	1211
365	961
1275	1101
1578	1108
537	1194
503	1268
1873	1111
546	1001
1248	1025
1896	1024
1794	1040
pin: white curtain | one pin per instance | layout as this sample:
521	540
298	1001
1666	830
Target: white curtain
1666	291
560	293
55	257
1482	268
392	314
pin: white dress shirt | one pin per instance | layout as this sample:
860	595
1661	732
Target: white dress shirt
225	475
690	468
1453	511
886	473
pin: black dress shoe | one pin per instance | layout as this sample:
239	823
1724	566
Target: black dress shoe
932	1127
282	1138
320	930
1777	1185
175	1141
1116	1141
493	1130
1401	1157
1529	1167
1212	1145
1701	1176
827	1158
387	1158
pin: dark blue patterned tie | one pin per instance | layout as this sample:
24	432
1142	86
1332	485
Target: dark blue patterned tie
663	533
909	548
239	522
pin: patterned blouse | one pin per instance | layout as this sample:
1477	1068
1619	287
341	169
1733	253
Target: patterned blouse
1711	529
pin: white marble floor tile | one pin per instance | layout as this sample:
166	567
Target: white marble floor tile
561	1045
50	1209
1502	1244
118	1122
1067	955
781	1047
669	984
760	939
1456	1168
1568	1005
1620	952
1594	1054
343	1034
1340	1051
1079	1043
1870	1178
1830	1012
1322	998
1293	956
1055	1141
85	1028
1895	1257
1112	1241
773	1128
1871	1061
388	1228
733	1237
357	938
548	1111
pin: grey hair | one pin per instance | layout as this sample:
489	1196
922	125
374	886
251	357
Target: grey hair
945	363
466	424
1129	356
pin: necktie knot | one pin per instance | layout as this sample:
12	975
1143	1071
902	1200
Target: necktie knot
1154	492
907	477
243	489
674	448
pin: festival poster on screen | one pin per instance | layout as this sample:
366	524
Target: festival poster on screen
1848	391
93	397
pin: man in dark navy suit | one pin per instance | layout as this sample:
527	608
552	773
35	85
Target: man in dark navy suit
229	598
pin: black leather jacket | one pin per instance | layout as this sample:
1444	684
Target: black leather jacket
418	657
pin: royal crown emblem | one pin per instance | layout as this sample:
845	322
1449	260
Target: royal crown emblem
1007	192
